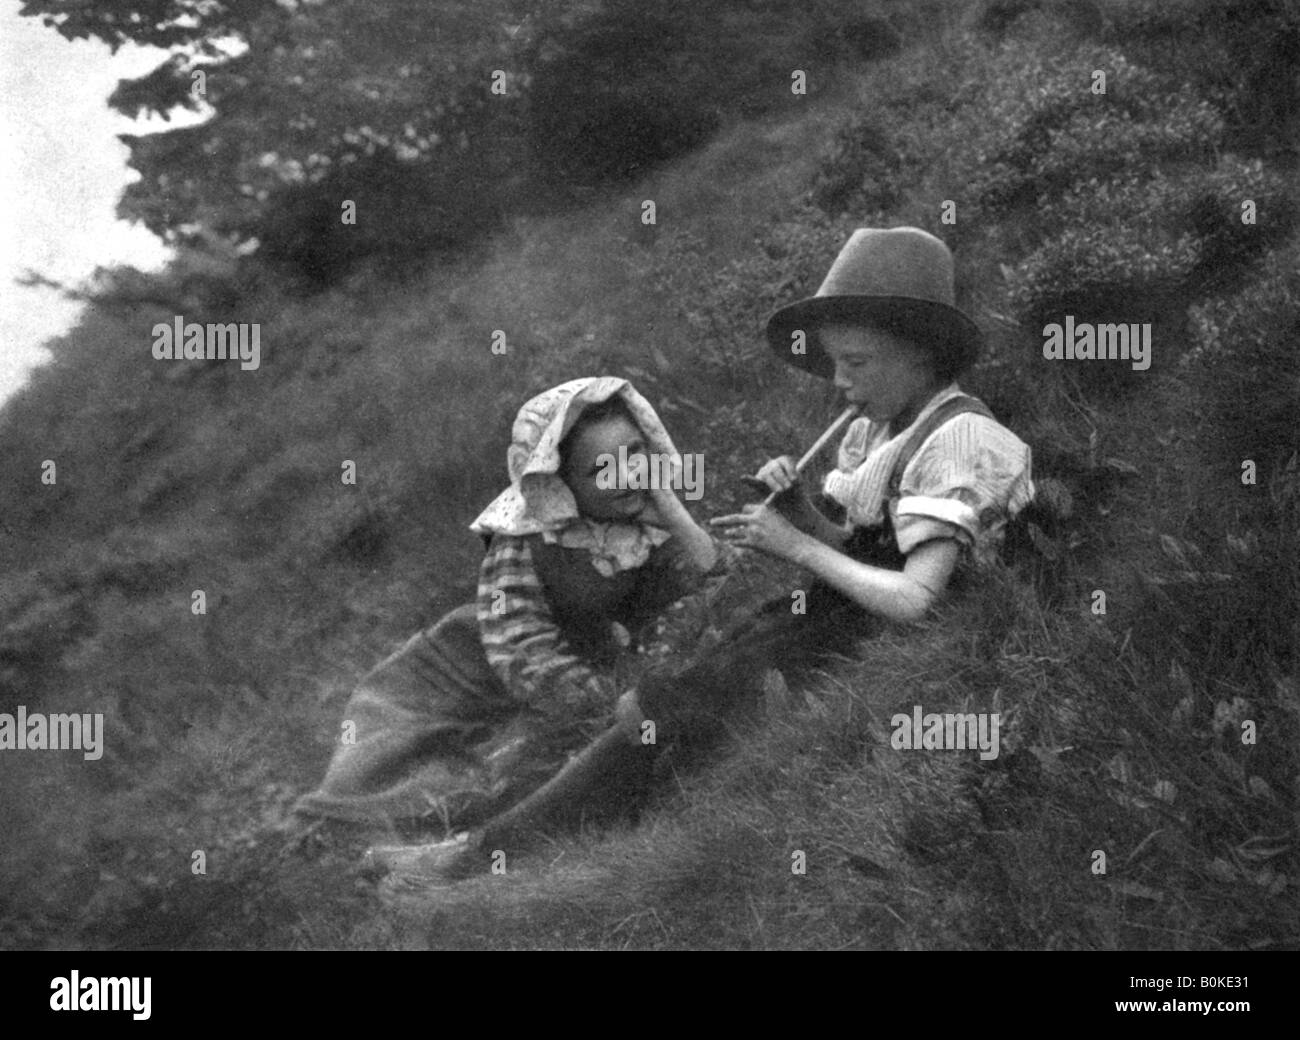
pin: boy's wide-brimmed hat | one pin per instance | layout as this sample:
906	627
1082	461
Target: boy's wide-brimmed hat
897	279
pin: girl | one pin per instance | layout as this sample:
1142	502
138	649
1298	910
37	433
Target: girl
475	712
926	477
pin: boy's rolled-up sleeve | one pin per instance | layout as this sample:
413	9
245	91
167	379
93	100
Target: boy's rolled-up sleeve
524	644
964	483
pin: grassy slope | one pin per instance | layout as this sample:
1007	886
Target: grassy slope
172	480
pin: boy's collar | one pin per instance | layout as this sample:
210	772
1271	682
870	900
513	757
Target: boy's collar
951	390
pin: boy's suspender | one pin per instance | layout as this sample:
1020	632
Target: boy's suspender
876	544
950	409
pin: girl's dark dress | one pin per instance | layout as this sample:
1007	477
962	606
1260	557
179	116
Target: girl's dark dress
440	737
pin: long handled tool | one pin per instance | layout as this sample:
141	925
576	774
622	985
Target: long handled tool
832	431
469	853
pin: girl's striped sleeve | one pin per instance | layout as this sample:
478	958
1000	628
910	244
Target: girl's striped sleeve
524	644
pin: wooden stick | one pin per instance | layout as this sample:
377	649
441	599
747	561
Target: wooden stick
821	442
471	852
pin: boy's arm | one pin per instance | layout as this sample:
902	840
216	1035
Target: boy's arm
903	596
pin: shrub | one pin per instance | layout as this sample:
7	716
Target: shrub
616	97
996	16
1212	206
636	83
1132	247
1093	274
1242	54
404	210
861	171
1051	133
1244	365
1135	213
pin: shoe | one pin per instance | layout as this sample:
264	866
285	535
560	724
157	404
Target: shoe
449	860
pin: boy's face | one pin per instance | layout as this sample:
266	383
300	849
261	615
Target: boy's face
882	373
583	465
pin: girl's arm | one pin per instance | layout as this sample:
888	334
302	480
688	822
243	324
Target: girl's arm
677	567
902	596
523	642
697	544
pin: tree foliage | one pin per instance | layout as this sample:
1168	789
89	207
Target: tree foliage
388	104
435	117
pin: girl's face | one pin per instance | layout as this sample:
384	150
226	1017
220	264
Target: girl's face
882	373
583	463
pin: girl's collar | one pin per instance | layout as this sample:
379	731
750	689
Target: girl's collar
613	546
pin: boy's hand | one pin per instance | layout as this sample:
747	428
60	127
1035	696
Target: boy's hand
762	528
792	502
779	474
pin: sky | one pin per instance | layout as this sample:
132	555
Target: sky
62	170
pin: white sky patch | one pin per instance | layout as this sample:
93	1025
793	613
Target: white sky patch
62	171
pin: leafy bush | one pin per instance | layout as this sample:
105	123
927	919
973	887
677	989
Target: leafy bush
616	97
1051	133
636	83
996	16
861	171
1133	247
1243	55
1230	238
1095	275
1136	212
1245	365
404	210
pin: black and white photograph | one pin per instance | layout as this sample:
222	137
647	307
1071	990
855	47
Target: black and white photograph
651	475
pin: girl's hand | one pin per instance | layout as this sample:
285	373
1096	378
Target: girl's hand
663	509
762	528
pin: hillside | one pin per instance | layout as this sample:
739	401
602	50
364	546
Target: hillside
1122	730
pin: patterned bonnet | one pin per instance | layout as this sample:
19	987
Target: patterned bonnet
538	501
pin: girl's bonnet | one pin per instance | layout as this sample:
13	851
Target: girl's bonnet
538	501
